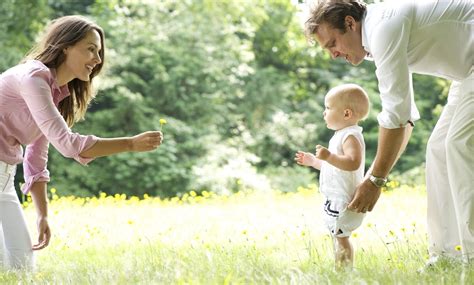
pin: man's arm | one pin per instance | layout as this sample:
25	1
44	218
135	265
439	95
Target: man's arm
392	143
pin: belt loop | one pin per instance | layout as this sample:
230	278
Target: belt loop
6	168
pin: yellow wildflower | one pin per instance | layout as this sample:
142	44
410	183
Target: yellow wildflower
162	122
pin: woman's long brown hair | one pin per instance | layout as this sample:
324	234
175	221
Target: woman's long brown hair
64	32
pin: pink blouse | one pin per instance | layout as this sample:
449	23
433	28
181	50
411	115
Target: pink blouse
29	97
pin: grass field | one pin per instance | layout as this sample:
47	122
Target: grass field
246	238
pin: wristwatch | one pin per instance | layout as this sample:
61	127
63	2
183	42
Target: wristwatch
378	181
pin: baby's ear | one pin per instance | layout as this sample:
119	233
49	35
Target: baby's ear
348	114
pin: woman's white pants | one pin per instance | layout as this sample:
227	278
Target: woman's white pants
450	176
15	242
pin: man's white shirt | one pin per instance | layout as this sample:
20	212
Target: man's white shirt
426	37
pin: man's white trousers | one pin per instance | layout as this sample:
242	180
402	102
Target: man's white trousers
450	176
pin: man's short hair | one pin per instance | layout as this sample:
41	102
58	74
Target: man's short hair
334	13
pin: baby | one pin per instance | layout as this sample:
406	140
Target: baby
341	165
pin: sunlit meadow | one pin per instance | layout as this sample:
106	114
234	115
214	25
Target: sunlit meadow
246	238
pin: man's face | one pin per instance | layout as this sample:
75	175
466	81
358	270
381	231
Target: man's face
347	45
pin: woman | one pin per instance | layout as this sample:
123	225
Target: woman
40	100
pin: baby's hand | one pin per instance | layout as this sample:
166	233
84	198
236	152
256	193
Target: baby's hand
305	158
322	152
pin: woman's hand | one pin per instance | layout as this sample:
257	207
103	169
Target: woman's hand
44	233
146	141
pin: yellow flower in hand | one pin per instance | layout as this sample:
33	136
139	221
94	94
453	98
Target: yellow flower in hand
162	122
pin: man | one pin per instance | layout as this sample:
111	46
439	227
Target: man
428	37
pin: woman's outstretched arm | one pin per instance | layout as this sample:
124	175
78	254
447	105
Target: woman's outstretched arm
107	146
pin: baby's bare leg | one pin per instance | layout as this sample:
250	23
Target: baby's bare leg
344	254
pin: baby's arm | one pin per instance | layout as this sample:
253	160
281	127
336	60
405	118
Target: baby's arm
307	159
351	158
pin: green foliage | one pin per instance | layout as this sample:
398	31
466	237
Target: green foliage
20	21
237	76
228	168
289	179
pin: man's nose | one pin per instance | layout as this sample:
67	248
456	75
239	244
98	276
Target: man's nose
335	54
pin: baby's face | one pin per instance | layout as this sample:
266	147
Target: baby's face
334	113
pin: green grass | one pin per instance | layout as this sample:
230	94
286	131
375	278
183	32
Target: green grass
243	239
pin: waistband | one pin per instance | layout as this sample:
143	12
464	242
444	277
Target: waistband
7	168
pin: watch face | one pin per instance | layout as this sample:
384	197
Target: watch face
379	182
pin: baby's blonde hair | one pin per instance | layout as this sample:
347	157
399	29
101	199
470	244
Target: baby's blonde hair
353	97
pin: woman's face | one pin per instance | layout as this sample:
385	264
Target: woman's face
82	57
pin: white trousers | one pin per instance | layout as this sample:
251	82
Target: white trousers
450	176
15	242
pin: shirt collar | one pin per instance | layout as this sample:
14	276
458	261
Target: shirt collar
352	127
365	41
59	92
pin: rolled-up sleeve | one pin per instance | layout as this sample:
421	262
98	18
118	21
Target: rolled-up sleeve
34	163
389	49
36	92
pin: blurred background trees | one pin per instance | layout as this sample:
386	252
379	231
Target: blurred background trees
240	87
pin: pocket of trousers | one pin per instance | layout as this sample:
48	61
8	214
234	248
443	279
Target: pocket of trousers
4	180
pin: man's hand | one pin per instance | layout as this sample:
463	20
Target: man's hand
44	234
365	197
